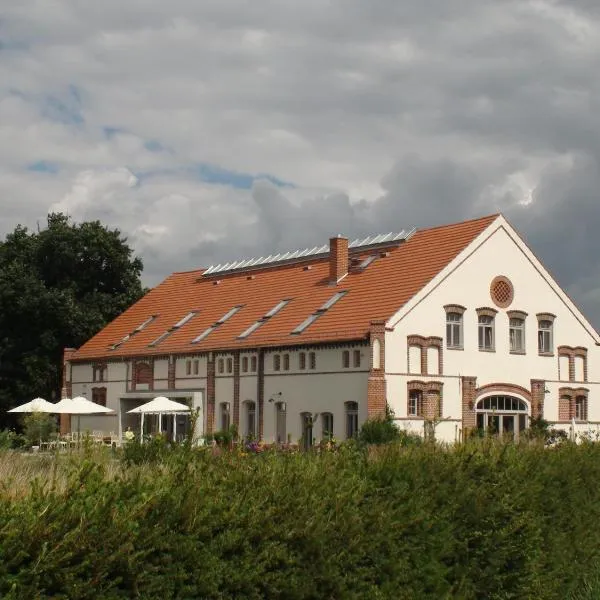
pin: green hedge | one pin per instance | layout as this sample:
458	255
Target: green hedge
480	521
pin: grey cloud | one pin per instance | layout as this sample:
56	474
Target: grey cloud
384	114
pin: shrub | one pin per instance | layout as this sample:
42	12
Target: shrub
480	520
38	427
10	440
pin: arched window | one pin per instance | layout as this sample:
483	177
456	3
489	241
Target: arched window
486	332
307	429
545	327
250	418
376	354
502	414
225	416
327	426
517	334
351	419
280	422
415	403
346	359
454	333
581	408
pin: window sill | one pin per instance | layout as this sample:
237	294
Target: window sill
519	352
545	353
454	348
487	349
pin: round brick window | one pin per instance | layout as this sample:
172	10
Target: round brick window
502	292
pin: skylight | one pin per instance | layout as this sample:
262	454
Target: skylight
200	337
308	321
337	296
146	322
367	261
136	330
185	319
175	327
228	315
216	324
160	338
275	309
263	319
320	311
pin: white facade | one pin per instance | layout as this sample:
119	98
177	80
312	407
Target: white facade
270	392
466	283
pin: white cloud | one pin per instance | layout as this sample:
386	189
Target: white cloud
384	114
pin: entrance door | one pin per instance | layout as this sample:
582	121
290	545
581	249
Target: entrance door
502	415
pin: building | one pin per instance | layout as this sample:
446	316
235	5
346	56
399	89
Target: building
458	326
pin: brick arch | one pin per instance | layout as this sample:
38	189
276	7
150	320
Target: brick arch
143	373
503	388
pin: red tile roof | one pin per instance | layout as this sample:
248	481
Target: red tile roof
374	293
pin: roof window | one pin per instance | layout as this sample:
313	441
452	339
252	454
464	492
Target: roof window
136	330
175	327
320	311
222	320
263	319
367	261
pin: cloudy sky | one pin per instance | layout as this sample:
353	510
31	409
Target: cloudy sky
217	129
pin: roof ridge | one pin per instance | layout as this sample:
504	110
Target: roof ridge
489	217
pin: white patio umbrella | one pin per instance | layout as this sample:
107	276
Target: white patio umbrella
160	405
36	405
80	406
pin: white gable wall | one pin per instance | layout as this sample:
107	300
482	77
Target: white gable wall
497	251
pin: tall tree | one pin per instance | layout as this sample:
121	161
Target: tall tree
58	287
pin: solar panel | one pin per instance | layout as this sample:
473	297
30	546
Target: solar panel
382	238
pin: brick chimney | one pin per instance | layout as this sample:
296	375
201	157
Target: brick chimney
338	258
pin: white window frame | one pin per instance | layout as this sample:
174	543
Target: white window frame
486	323
516	325
545	335
454	330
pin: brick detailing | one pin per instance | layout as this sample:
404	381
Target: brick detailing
571	353
66	390
538	393
503	388
210	393
143	373
545	316
432	397
516	314
564	406
455	308
566	402
260	392
376	385
424	343
338	258
171	372
486	311
236	389
469	391
502	291
376	397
